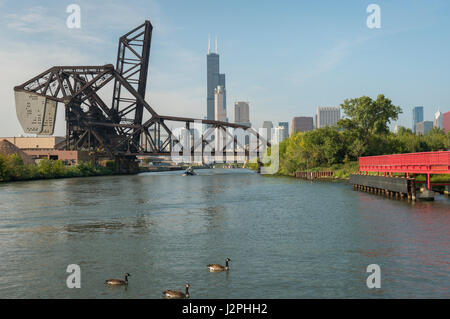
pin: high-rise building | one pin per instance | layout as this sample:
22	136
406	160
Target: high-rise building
417	116
220	114
279	134
241	113
220	110
327	116
423	127
446	122
286	129
214	79
268	126
437	122
301	124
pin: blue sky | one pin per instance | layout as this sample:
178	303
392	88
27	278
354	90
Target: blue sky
286	57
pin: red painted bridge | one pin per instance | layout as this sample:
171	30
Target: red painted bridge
413	163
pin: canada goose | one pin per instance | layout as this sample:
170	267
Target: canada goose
176	293
217	267
118	281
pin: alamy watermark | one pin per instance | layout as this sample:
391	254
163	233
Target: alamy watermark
74	19
374	19
374	279
74	279
204	144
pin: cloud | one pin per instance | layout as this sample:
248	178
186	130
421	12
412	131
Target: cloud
37	39
19	62
328	60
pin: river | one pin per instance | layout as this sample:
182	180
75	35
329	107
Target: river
286	238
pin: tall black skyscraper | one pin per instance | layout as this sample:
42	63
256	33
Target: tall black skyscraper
214	79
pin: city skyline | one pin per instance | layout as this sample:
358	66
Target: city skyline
283	80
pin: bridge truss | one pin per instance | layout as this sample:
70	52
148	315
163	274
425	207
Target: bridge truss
128	126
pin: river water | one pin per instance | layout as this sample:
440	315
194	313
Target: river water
287	238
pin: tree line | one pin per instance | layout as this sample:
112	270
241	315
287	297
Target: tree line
12	168
364	131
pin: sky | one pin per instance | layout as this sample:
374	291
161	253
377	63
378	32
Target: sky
285	57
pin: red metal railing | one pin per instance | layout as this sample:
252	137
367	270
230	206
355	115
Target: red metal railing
419	163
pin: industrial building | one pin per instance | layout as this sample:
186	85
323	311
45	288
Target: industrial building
39	142
33	149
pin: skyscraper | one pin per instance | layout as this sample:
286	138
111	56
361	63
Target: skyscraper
438	123
268	126
279	134
446	122
417	116
220	114
302	124
286	129
327	116
423	127
214	79
242	113
220	111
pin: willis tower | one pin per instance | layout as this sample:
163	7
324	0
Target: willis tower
214	80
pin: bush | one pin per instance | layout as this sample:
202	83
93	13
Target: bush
12	168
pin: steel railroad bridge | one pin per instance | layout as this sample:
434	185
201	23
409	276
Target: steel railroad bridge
116	130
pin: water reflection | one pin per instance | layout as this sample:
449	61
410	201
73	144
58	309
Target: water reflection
287	238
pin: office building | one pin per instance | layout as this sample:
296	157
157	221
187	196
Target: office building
446	122
214	79
327	116
220	114
417	116
301	124
437	122
279	133
220	110
267	132
423	127
242	113
286	129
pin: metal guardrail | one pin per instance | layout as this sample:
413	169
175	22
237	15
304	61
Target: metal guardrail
420	163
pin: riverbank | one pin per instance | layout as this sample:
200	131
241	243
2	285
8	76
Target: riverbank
340	171
12	168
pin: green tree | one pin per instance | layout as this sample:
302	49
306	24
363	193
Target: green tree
367	116
45	168
4	174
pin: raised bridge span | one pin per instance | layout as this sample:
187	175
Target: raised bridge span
127	125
